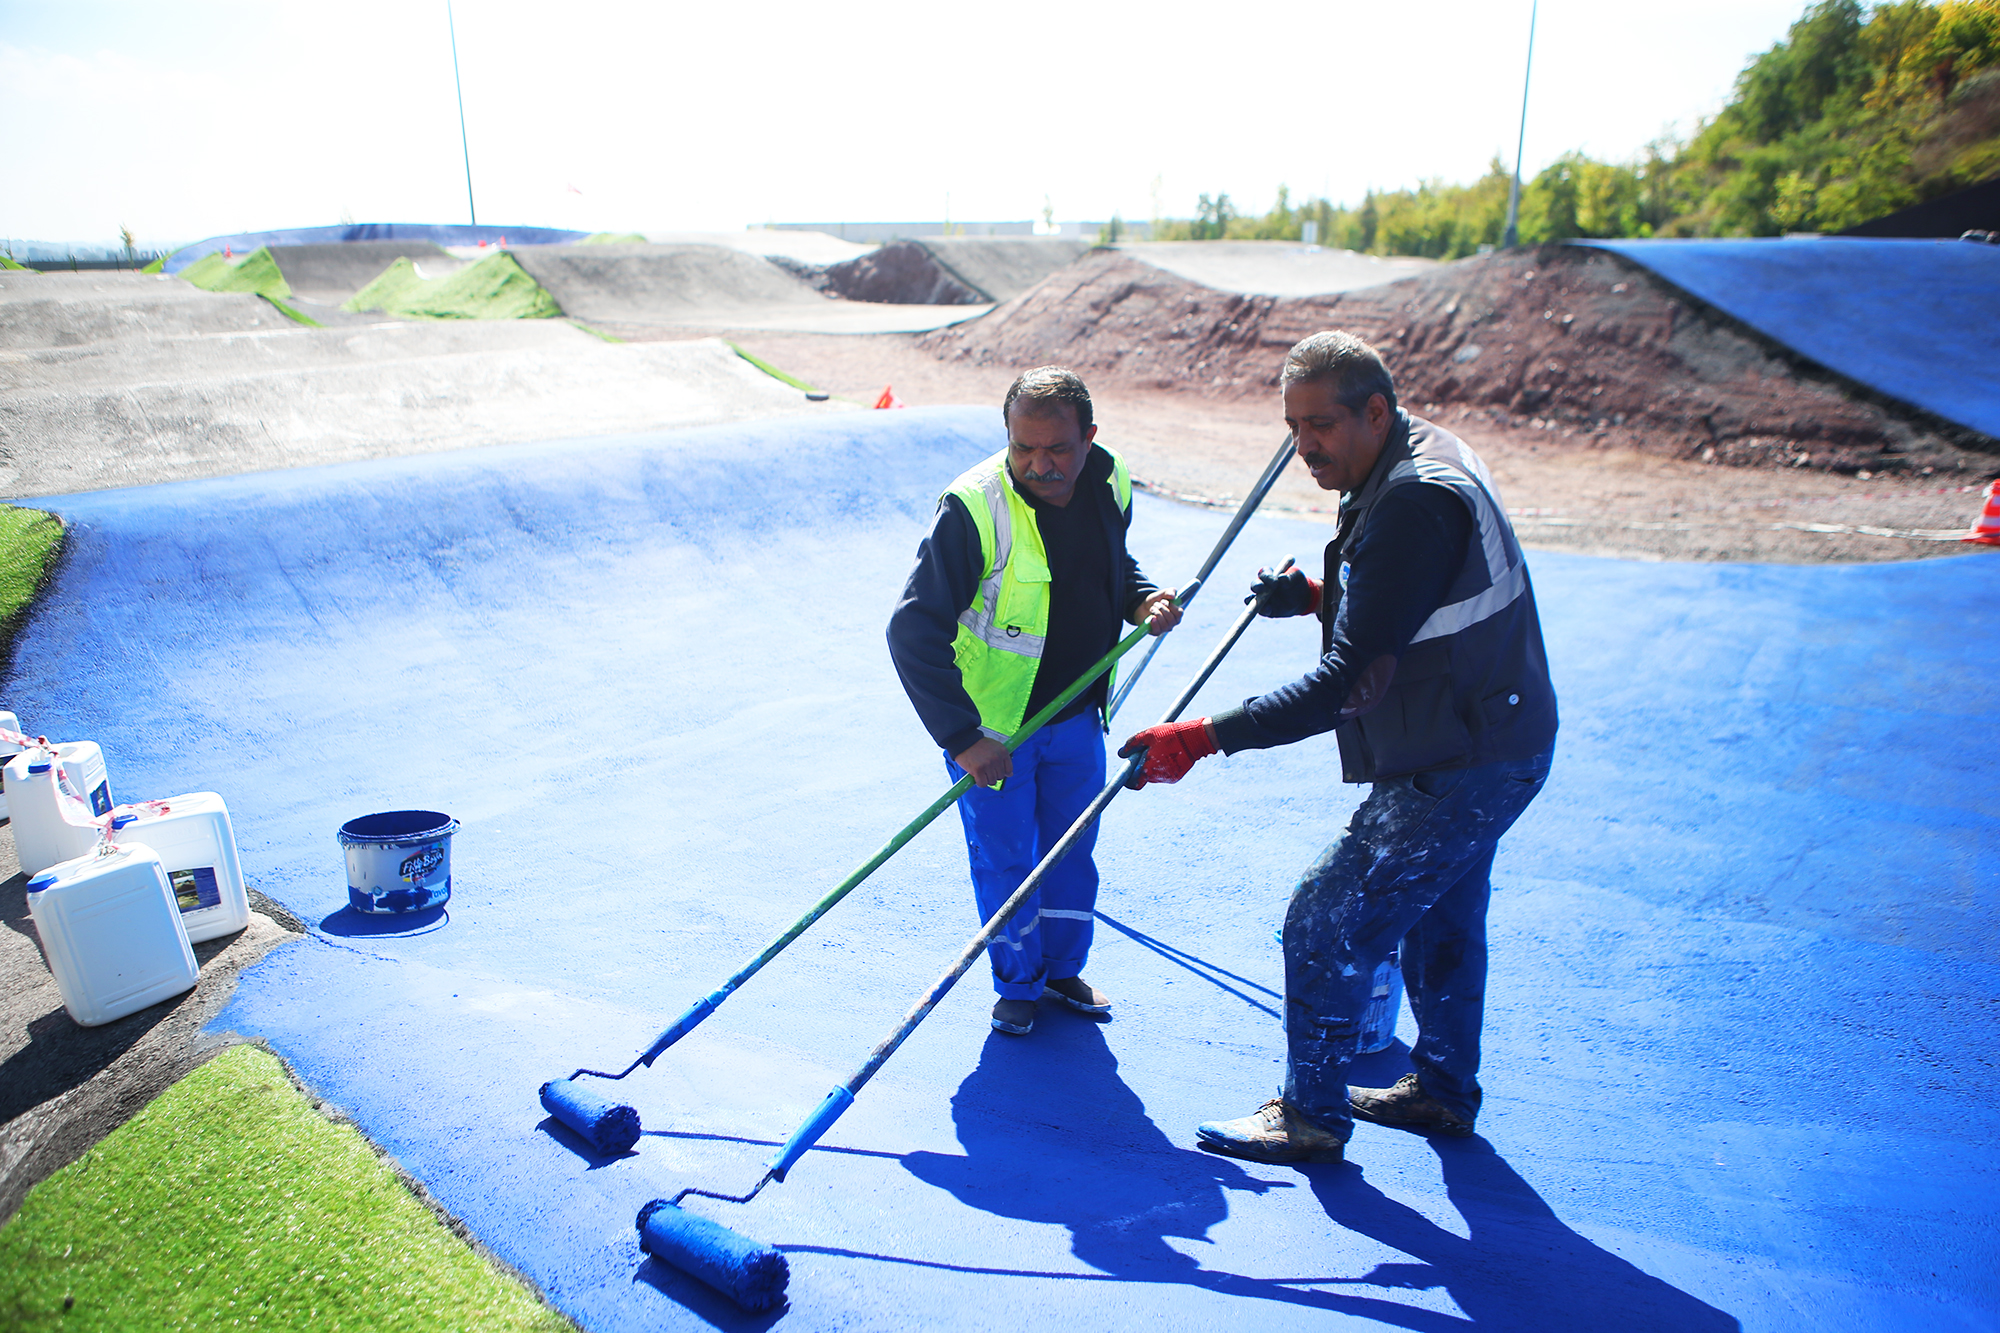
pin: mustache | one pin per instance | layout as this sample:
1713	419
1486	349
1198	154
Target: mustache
1317	459
1053	474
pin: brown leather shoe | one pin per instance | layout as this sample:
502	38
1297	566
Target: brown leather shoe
1277	1132
1014	1016
1078	994
1407	1106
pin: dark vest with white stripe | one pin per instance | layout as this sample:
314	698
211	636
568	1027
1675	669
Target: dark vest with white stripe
1473	687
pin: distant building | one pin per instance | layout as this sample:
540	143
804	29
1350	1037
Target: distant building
870	232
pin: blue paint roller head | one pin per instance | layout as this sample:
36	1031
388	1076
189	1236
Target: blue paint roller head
750	1274
605	1125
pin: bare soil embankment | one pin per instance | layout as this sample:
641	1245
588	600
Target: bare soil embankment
1574	342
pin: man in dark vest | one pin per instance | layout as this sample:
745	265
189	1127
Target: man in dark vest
1433	679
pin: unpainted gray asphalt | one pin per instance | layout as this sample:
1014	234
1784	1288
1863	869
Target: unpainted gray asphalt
116	380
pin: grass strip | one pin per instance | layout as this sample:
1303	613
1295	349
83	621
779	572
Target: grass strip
29	541
772	370
613	238
296	316
7	262
494	288
230	1200
595	332
256	272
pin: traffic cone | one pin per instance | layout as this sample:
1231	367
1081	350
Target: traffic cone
1986	528
889	398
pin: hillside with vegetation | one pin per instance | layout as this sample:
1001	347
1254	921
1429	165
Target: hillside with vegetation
1858	112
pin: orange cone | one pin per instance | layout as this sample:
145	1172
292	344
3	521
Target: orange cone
889	398
1986	529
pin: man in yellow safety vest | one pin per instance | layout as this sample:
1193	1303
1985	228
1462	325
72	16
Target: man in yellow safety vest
1019	588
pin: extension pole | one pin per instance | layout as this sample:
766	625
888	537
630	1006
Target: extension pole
1272	470
843	1094
464	146
705	1006
1512	236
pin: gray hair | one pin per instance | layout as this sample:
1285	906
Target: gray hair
1355	368
1045	388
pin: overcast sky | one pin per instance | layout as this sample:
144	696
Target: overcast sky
196	119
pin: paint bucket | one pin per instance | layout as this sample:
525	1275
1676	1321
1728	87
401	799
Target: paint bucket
1385	1001
112	933
398	861
1385	1004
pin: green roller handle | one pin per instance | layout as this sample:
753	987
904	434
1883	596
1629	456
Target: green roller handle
837	1101
705	1006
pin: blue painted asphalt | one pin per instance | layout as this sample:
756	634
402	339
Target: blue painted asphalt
1916	320
1741	1034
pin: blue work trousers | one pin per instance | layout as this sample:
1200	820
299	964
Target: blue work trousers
1057	772
1413	865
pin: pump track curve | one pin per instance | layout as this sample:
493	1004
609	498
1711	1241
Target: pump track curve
1740	1027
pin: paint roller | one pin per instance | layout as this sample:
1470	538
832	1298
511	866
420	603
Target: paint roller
754	1275
612	1127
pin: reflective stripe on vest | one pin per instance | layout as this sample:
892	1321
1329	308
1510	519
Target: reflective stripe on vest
998	646
1506	569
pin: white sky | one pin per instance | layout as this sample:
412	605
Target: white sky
214	116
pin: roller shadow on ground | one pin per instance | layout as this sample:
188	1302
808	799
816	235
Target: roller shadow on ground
1519	1268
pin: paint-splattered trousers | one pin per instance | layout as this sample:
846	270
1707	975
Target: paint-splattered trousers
1056	773
1414	865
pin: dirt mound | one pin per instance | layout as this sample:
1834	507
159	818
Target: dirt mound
946	270
899	273
1574	341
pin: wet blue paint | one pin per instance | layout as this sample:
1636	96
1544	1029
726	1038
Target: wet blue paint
1739	1032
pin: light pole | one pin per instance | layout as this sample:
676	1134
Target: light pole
1512	236
466	148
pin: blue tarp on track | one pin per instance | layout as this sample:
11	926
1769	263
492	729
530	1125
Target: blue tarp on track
243	243
1740	1029
1916	320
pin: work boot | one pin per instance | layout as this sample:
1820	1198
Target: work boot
1278	1132
1015	1016
1079	995
1407	1106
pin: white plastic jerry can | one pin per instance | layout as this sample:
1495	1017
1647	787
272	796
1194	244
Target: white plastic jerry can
111	932
8	749
193	836
51	824
82	768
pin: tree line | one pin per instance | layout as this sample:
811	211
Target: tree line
1856	113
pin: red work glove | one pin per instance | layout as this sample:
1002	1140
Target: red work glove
1171	750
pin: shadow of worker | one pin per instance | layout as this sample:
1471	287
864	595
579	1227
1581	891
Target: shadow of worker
1052	1134
1519	1267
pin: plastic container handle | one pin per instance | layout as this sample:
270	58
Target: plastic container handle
818	1123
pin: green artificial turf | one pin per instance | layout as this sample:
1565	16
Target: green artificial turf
7	261
613	238
494	288
230	1201
255	272
387	290
29	539
772	370
158	265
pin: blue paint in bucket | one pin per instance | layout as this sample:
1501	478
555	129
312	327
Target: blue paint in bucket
398	861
